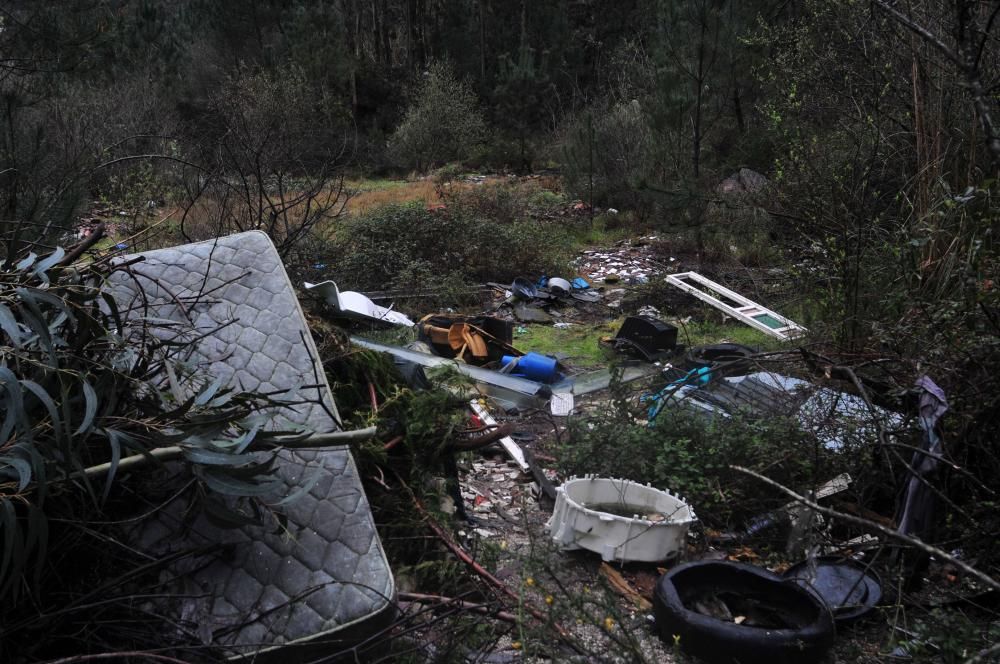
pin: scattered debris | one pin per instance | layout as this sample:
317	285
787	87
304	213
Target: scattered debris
529	314
793	510
508	444
517	392
833	417
632	262
622	587
561	404
920	497
533	366
649	337
473	339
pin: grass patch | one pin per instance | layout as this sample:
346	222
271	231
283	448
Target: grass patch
580	344
701	333
372	194
378	184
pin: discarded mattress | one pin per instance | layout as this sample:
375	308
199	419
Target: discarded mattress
325	578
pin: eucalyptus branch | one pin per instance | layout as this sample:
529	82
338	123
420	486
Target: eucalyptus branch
164	454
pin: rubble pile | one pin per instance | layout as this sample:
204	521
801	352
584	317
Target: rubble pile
630	261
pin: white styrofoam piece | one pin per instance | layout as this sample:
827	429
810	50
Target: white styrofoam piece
350	303
575	526
561	404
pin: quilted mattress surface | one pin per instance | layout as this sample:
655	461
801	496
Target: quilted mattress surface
325	574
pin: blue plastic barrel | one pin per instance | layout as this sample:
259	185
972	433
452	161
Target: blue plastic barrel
533	366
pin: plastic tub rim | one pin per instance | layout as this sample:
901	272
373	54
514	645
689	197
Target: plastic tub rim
671	522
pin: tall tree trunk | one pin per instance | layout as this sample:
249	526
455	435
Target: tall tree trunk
409	33
357	57
482	42
376	33
700	83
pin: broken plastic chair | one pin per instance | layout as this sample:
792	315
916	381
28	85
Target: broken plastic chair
463	337
355	305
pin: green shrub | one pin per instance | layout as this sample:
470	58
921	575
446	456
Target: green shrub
613	150
442	124
405	246
691	455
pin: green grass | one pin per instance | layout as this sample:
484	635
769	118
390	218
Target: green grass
580	344
702	333
378	184
597	234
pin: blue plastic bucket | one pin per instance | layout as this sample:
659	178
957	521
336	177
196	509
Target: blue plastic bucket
533	366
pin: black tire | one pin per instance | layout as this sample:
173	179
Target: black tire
730	358
806	639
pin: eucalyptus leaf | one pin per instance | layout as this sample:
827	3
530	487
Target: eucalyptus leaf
210	458
48	262
226	517
306	487
230	486
206	395
90	407
26	262
10	326
22	468
114	440
48	402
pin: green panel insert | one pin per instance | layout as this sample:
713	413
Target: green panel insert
769	320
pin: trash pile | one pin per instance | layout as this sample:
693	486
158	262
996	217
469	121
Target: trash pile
719	608
630	262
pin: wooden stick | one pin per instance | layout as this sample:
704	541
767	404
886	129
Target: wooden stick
418	598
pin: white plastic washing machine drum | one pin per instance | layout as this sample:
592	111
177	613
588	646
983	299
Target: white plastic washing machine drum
619	519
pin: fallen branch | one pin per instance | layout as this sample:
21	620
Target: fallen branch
83	246
479	442
163	454
486	609
889	532
139	655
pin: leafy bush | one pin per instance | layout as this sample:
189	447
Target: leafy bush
612	149
691	455
737	231
408	246
442	124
